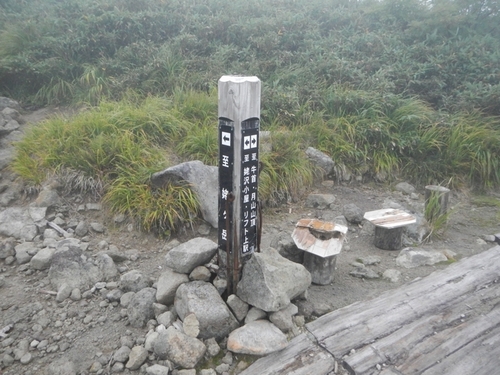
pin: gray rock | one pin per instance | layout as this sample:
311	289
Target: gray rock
126	298
182	350
204	181
321	160
157	370
76	294
61	367
140	309
93	206
369	260
320	201
411	258
211	371
363	272
353	213
203	300
114	295
42	259
167	285
283	318
69	267
8	103
12	113
167	318
106	266
63	292
150	341
191	325
122	354
23	250
270	281
284	243
7	248
97	227
47	198
133	281
392	275
212	347
82	229
137	357
191	254
257	338
405	188
418	231
117	368
238	307
255	314
8	127
201	273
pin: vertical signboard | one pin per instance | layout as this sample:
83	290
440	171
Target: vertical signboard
249	184
239	114
226	169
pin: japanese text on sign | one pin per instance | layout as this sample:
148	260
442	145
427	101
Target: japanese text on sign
249	185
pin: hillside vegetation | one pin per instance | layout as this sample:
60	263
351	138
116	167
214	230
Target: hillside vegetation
407	88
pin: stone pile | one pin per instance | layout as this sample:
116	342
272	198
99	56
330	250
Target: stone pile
182	315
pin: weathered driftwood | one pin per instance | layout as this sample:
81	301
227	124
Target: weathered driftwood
446	323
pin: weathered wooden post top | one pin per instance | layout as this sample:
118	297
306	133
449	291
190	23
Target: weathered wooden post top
239	122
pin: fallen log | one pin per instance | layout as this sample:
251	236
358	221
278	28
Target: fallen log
431	326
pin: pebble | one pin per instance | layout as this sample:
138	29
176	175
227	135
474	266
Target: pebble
25	359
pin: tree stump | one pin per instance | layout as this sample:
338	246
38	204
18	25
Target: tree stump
321	269
436	201
389	238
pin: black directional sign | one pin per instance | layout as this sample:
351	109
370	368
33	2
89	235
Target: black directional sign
249	184
226	167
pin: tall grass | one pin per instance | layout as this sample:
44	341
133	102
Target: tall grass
116	147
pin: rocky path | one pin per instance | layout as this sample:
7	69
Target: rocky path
85	293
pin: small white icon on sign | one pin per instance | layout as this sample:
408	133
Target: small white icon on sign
246	142
253	141
226	139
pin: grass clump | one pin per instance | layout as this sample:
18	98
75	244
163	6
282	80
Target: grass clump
285	171
113	149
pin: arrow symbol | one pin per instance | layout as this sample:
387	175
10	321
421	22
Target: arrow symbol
226	139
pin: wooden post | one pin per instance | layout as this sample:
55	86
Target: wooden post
436	201
239	122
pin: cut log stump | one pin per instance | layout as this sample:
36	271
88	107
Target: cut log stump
389	238
389	227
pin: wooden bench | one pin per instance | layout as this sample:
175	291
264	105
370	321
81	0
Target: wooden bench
389	225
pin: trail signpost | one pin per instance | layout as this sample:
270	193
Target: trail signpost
239	122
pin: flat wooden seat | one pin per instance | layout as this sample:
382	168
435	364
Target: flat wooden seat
390	218
389	224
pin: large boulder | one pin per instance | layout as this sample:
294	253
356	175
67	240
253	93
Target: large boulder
203	300
270	281
204	181
69	266
259	337
321	160
191	254
22	223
